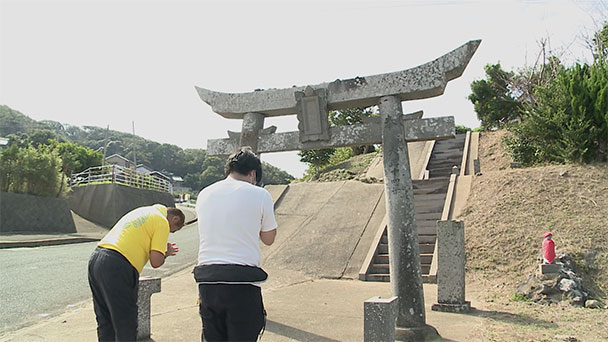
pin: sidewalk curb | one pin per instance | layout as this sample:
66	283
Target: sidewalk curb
46	242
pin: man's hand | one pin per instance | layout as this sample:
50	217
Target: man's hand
172	249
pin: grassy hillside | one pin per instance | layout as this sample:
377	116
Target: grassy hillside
510	209
505	218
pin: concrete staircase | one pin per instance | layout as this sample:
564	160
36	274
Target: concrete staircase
429	197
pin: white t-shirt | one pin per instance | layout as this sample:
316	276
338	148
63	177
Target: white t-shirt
231	215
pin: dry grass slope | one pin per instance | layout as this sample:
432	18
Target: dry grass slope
505	218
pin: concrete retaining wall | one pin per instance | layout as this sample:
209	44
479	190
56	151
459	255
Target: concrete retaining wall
27	213
104	204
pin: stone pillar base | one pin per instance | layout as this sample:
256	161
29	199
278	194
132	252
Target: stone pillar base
424	333
549	268
449	307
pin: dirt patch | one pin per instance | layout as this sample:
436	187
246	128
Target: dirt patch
492	156
505	218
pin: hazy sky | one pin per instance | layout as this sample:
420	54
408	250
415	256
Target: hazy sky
113	63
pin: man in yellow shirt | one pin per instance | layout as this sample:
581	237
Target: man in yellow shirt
119	258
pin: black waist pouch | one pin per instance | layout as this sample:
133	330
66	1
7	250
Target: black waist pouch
228	273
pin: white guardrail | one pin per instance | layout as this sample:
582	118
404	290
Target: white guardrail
120	175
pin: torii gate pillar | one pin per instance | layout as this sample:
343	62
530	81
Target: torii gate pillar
253	123
406	280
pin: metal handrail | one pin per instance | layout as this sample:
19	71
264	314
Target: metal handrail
117	174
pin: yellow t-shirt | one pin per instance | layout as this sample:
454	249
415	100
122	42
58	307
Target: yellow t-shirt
137	233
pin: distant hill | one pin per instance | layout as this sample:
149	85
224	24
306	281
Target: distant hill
193	165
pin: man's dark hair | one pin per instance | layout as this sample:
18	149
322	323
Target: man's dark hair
178	213
243	161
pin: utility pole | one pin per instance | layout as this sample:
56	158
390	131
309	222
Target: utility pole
105	147
134	156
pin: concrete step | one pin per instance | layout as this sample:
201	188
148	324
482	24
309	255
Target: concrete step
449	154
426	244
429	197
427	248
438	190
429	182
426	239
427	230
428	216
382	259
436	201
440	172
385	278
385	269
447	148
378	277
429	208
443	164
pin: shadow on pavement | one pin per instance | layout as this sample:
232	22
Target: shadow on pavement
511	318
295	333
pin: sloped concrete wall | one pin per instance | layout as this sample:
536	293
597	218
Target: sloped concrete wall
104	204
27	213
321	226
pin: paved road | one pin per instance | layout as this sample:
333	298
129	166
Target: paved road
42	281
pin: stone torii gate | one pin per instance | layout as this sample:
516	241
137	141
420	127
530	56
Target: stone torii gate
393	129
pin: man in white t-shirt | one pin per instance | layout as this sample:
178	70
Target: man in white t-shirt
233	216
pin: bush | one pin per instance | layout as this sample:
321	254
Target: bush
569	121
30	170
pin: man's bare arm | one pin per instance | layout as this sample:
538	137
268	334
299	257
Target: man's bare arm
268	237
157	259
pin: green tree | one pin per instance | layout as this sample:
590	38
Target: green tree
9	160
30	170
460	129
274	175
568	122
42	137
599	44
493	98
74	159
316	158
352	116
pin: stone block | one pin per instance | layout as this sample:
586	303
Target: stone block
447	307
476	167
451	267
549	268
380	315
147	286
451	262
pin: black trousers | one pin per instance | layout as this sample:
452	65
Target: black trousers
231	312
114	283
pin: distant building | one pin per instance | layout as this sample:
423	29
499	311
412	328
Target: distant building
173	181
160	175
178	184
141	168
117	159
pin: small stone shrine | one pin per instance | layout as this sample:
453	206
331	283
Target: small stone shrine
562	283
